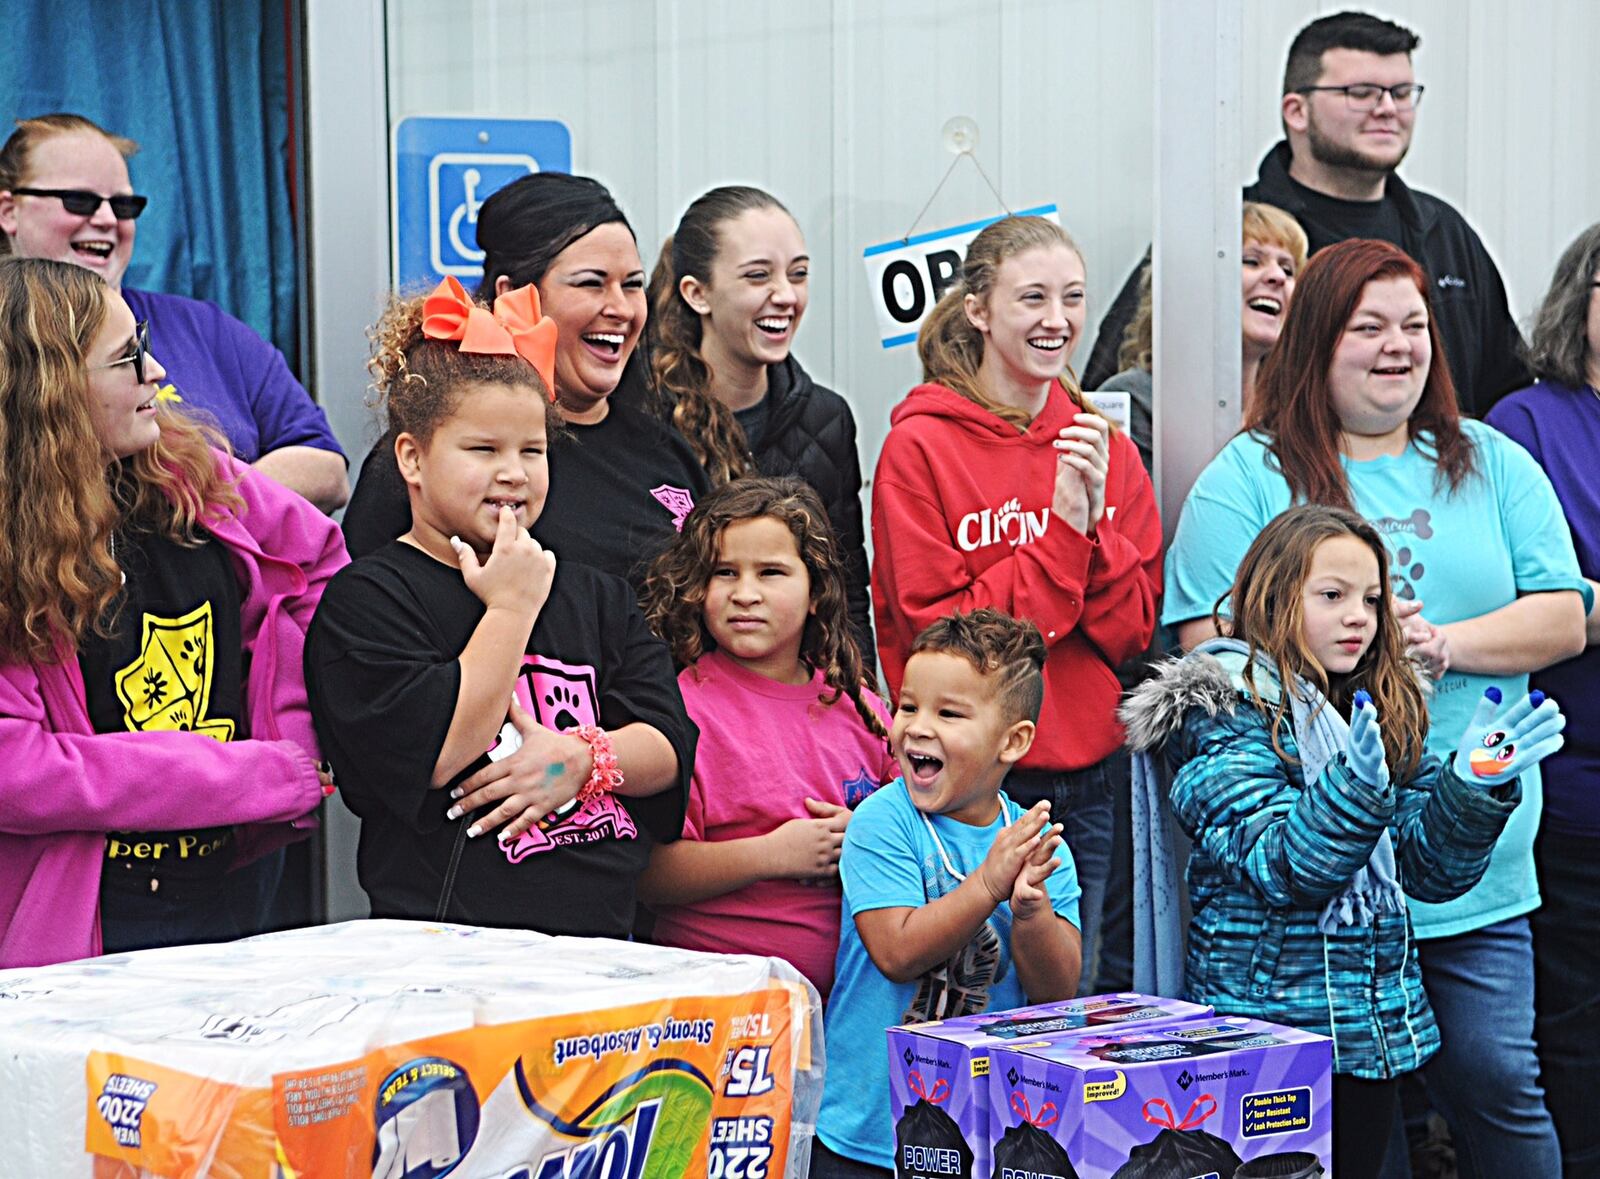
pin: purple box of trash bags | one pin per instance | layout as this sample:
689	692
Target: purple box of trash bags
1226	1097
938	1073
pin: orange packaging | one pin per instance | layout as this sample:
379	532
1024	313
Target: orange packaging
717	1074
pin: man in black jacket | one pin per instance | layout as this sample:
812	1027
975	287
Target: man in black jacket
1349	107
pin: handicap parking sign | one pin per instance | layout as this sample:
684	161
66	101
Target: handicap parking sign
441	172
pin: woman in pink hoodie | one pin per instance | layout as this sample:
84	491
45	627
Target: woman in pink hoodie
154	597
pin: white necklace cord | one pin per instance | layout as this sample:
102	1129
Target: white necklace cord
944	856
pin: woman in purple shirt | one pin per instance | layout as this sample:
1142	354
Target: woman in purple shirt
1558	420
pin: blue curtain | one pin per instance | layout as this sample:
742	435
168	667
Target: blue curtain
201	85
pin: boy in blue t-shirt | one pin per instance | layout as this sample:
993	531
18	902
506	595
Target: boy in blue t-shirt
956	900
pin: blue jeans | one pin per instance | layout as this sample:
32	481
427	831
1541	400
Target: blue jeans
1081	800
1566	934
1485	1078
237	905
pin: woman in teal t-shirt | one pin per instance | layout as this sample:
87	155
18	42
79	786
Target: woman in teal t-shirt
1356	408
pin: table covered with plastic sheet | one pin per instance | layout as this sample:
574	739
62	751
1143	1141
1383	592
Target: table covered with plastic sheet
405	1050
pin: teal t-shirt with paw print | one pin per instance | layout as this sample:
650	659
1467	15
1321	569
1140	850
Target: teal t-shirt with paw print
1501	535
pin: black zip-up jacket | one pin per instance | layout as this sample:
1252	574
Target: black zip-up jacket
1481	340
810	433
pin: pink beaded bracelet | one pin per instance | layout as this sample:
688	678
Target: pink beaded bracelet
606	777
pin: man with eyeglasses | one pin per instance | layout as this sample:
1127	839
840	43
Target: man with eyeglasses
1350	102
65	194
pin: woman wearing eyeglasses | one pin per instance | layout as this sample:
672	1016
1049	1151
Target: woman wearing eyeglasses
65	194
154	598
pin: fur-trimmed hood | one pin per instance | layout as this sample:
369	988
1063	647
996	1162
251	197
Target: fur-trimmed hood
1154	711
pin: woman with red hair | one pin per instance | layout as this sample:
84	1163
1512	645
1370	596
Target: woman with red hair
1351	410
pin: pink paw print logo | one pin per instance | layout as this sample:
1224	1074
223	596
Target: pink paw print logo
676	500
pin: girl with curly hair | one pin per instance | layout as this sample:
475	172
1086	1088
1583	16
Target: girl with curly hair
751	599
153	609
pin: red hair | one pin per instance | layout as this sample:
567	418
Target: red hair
1293	405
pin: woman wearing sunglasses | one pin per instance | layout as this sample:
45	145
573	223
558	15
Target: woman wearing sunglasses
154	599
65	195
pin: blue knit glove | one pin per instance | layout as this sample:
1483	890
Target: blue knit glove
1495	749
1364	752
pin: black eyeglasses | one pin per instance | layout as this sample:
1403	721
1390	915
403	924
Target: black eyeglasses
80	202
141	350
1365	96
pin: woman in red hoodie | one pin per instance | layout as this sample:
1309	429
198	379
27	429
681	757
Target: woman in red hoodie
1000	486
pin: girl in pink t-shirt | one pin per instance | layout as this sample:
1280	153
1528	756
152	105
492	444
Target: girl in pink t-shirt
751	600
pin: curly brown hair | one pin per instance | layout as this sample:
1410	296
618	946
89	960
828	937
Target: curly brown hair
60	499
1268	614
417	382
996	644
674	593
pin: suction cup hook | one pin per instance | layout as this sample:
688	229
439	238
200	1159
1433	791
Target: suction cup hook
960	136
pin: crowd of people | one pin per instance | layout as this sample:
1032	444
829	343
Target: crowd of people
596	650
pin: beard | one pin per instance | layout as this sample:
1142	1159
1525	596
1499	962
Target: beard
1338	155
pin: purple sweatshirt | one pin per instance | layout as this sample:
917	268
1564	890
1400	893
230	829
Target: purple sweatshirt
63	786
1560	427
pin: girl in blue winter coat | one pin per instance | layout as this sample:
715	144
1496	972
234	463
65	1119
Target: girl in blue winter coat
1311	823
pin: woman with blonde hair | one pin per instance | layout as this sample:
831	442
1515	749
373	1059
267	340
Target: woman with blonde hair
1274	252
999	486
153	607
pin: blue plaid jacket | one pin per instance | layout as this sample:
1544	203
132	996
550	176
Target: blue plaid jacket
1270	849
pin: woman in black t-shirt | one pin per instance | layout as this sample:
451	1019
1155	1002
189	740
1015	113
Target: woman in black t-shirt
464	683
622	479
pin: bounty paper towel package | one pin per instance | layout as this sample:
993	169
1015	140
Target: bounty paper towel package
937	1071
1222	1095
404	1050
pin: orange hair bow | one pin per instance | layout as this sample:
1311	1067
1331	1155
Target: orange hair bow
515	327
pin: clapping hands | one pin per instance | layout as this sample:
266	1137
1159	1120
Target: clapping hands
1020	860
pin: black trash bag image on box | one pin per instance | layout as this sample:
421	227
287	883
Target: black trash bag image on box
1298	1164
1180	1150
926	1126
1028	1149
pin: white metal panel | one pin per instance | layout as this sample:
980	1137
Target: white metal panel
835	108
347	199
1197	242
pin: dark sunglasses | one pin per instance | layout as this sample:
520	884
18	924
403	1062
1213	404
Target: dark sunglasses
141	349
82	203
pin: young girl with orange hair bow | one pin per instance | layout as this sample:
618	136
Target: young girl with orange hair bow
506	727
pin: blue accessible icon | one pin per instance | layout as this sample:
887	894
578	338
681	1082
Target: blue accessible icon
441	172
